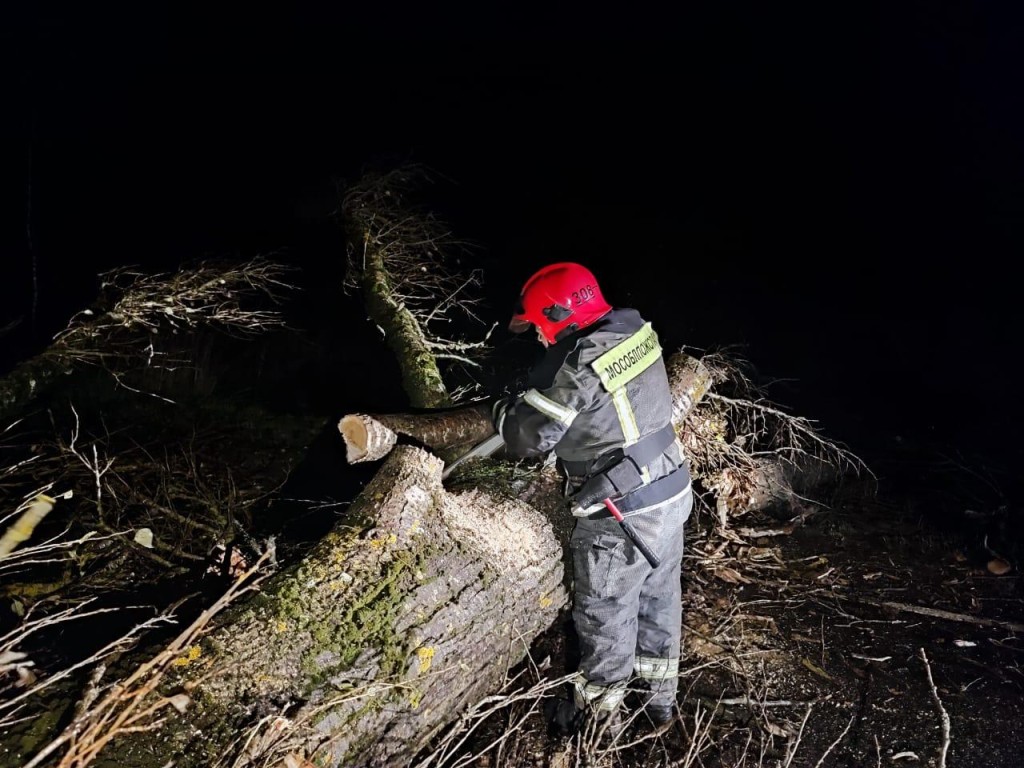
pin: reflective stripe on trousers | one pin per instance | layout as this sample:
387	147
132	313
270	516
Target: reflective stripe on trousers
601	698
623	610
655	669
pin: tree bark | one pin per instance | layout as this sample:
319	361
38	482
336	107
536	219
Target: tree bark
421	378
369	437
413	608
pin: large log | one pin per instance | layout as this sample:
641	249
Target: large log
761	483
410	610
369	437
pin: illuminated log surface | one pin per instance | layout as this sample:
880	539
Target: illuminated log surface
405	614
413	608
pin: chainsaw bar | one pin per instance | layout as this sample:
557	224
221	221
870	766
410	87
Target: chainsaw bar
479	451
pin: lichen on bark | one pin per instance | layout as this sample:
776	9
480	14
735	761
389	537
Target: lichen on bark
421	377
410	609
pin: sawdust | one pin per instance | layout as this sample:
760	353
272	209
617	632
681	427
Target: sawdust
509	533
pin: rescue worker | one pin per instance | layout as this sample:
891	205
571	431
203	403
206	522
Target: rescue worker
599	398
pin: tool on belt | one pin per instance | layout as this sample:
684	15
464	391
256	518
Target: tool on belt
623	476
478	451
634	536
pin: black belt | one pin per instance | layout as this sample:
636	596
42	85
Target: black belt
622	472
661	490
642	452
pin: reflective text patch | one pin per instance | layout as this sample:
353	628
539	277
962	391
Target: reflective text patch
628	359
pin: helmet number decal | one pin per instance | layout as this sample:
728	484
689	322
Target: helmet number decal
584	294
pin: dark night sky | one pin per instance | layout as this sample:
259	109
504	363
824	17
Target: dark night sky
839	189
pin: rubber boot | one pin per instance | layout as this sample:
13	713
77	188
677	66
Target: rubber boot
660	713
563	716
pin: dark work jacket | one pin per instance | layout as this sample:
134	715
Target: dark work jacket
600	389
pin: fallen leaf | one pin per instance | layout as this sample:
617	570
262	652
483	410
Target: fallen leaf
998	566
26	677
180	702
815	669
702	648
144	538
775	730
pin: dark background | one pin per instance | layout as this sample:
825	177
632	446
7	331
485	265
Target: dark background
836	188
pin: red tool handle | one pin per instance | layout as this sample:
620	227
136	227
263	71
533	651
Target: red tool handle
633	535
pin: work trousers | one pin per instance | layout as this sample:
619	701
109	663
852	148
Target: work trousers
628	615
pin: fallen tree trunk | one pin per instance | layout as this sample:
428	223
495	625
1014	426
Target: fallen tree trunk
413	608
369	437
743	484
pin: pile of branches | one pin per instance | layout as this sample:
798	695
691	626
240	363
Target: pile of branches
748	453
404	257
95	506
230	297
140	321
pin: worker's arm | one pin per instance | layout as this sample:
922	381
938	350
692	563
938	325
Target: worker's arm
534	422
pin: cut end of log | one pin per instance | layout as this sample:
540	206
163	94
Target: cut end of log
366	439
512	538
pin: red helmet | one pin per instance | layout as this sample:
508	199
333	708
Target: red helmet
559	299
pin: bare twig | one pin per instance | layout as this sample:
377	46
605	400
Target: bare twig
942	710
132	705
938	613
835	743
792	749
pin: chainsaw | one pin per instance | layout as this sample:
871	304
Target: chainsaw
479	451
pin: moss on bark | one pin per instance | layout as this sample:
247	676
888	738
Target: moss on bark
421	377
393	622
